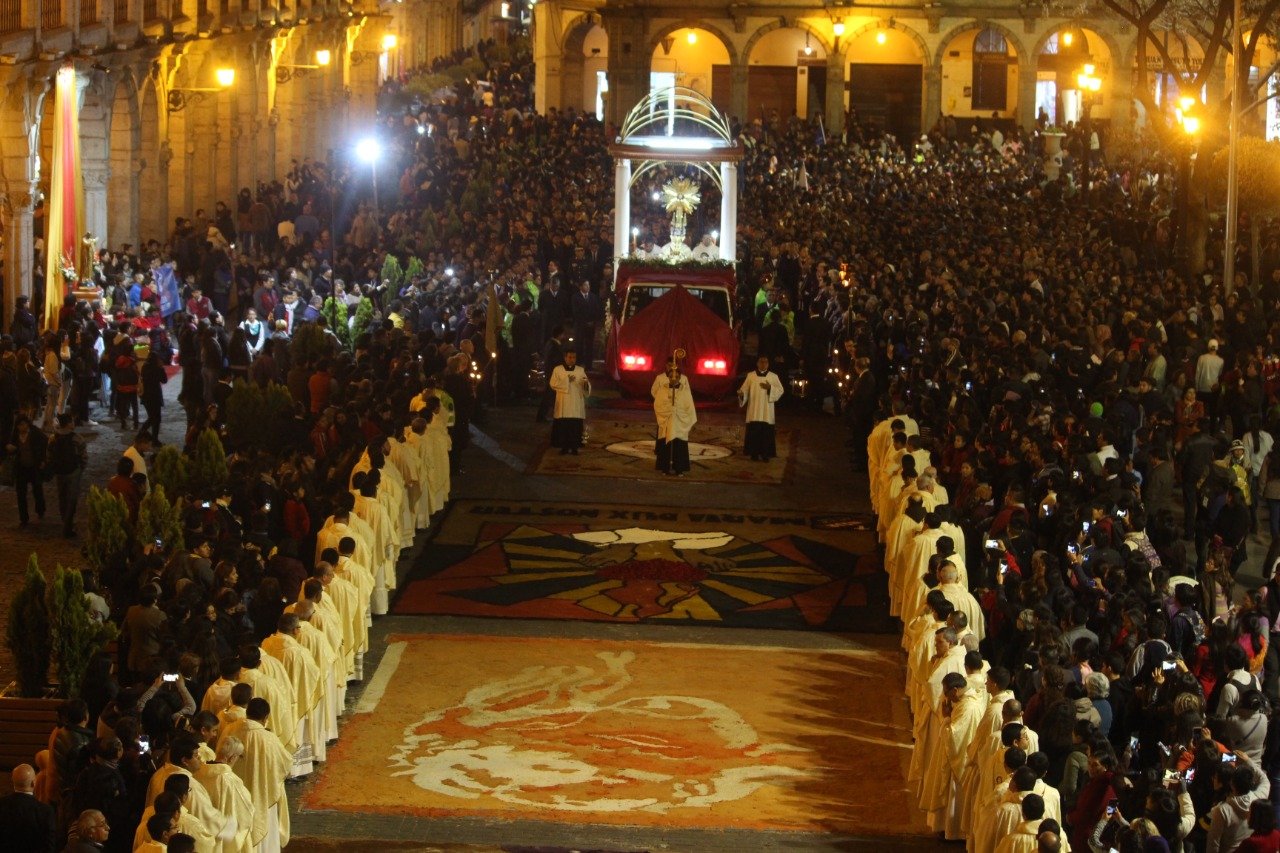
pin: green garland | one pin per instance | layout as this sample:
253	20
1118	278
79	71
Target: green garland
659	265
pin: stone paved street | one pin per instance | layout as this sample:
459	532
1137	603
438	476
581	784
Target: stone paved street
44	538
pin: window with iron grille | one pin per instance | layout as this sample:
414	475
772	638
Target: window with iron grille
121	11
10	16
50	14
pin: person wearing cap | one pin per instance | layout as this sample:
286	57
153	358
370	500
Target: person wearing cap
1236	463
1208	372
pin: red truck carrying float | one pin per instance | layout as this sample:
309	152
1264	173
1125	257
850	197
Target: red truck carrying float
667	301
687	306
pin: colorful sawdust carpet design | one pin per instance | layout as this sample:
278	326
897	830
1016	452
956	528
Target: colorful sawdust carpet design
750	569
626	733
624	448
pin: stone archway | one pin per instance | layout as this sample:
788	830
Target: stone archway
153	181
969	56
1060	54
788	64
585	53
95	152
697	56
123	160
892	84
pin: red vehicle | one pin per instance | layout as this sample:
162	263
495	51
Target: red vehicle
683	306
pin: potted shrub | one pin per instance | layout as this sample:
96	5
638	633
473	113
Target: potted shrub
169	469
76	637
108	530
209	466
159	520
27	634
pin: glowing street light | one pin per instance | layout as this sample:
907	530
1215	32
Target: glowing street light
226	77
838	28
881	38
323	57
389	41
692	37
369	150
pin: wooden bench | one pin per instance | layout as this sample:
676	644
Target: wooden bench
25	725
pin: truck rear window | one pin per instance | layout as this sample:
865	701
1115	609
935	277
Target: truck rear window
639	297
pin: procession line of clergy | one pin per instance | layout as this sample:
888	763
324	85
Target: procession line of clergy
973	761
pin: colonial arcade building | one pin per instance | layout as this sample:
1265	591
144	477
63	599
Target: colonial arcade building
899	66
181	103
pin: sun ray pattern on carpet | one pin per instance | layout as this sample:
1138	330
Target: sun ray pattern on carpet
612	563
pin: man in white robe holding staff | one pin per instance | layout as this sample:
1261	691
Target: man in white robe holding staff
673	408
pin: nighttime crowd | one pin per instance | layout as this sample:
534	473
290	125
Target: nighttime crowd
1067	444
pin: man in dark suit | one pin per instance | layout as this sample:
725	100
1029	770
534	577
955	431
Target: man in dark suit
588	313
552	355
553	303
25	822
860	411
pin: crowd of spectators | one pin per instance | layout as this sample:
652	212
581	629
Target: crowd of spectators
1068	440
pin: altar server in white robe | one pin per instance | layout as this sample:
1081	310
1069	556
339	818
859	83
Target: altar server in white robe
228	793
184	759
263	770
318	645
304	675
758	394
959	595
420	447
439	476
948	658
957	718
572	388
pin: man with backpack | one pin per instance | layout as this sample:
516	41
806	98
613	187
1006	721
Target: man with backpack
67	457
1186	628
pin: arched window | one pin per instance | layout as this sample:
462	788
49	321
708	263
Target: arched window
990	71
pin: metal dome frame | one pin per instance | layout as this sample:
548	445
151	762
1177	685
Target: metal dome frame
654	109
714	155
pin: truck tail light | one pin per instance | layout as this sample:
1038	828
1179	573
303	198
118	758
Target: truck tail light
633	361
716	366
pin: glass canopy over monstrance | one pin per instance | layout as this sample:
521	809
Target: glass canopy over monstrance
676	125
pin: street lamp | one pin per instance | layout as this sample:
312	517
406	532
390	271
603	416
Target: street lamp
1090	84
1190	125
178	98
369	150
286	72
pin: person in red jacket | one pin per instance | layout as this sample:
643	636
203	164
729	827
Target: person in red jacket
1265	837
1092	800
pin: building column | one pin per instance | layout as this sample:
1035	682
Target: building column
19	242
728	211
833	112
547	56
738	83
628	65
932	97
1026	106
96	221
621	208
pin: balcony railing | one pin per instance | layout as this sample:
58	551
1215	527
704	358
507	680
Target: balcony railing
121	11
50	14
88	12
10	16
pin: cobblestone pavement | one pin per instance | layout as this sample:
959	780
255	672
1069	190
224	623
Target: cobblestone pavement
44	538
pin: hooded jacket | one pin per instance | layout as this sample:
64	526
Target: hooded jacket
1229	823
